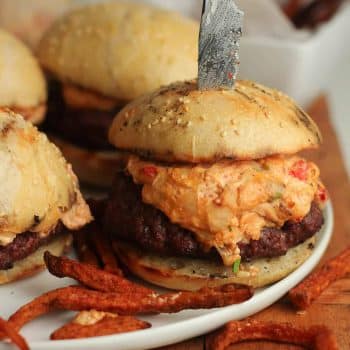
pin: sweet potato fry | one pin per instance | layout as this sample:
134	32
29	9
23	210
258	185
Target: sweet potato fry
292	7
315	337
76	298
8	331
46	303
311	288
92	277
81	245
42	305
37	307
96	323
315	13
205	298
105	251
92	235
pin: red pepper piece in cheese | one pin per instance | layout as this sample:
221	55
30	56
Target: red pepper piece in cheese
150	171
321	194
299	170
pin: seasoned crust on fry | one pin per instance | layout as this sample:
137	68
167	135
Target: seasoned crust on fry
105	251
91	276
76	298
13	335
172	302
193	274
315	337
311	288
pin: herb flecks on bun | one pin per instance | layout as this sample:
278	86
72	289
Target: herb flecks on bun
249	122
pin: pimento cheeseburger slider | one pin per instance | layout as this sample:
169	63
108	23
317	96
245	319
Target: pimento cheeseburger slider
40	199
214	192
22	83
102	56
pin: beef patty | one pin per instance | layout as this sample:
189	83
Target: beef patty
128	218
86	128
23	245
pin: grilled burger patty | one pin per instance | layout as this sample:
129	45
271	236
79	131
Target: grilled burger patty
128	218
86	128
23	245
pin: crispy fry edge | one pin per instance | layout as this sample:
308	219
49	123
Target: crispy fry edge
315	337
91	276
305	293
10	332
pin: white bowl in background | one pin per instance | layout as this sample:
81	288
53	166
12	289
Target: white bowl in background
300	69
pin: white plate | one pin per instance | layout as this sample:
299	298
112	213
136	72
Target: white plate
167	328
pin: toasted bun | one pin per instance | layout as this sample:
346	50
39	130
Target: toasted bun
121	49
37	185
249	122
193	274
35	262
22	83
96	168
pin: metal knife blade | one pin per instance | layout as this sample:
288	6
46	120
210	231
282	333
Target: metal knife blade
220	32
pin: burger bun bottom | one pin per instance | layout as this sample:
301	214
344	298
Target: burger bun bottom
192	274
35	262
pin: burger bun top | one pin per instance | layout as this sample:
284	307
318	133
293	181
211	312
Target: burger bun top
22	83
180	123
120	49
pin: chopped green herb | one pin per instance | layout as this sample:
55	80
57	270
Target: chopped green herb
235	266
230	228
277	195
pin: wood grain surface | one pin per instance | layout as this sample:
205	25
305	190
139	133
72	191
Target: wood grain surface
333	307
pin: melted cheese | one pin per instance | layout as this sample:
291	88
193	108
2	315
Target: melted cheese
78	215
88	318
228	202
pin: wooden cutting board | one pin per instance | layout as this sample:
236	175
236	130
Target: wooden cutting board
333	307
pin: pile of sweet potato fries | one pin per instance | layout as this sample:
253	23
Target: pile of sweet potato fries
108	303
310	14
